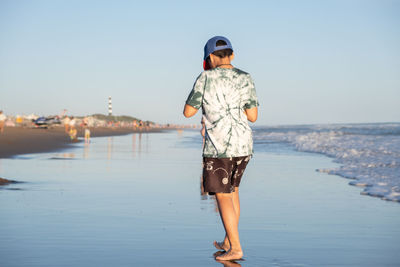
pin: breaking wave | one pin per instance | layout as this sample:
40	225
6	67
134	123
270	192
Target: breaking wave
368	153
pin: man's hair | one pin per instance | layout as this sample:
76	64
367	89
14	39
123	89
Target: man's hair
224	52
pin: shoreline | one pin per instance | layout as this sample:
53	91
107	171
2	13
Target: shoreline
4	181
18	141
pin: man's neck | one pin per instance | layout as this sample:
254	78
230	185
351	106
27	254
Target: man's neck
225	64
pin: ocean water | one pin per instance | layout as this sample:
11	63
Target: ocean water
135	201
368	154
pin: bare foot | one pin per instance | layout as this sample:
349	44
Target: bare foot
230	255
218	253
221	246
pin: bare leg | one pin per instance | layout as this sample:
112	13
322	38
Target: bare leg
224	245
230	221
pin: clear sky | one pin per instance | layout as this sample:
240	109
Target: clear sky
312	61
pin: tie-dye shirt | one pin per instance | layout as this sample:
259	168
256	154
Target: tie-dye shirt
223	95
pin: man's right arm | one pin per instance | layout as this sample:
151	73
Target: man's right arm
251	114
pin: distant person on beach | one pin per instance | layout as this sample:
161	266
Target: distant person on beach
72	130
73	134
66	123
72	123
2	121
228	100
85	121
87	130
87	135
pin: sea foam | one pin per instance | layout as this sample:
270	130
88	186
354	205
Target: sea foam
367	153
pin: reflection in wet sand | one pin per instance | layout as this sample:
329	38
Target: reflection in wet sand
86	151
109	147
138	145
180	132
64	156
133	145
147	143
229	263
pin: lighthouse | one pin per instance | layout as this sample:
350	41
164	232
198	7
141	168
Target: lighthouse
109	106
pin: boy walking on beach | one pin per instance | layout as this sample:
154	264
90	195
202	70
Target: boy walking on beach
228	100
2	121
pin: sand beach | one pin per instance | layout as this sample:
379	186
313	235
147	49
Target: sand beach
134	200
22	140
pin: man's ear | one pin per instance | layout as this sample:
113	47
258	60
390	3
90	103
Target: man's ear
212	59
232	57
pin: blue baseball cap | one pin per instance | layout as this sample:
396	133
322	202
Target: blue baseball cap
211	45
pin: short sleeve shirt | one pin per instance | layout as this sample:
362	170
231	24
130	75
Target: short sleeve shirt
224	94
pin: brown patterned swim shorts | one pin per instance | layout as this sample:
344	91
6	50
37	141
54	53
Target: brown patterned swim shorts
222	175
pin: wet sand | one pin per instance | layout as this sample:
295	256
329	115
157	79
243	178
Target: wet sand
134	200
18	140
